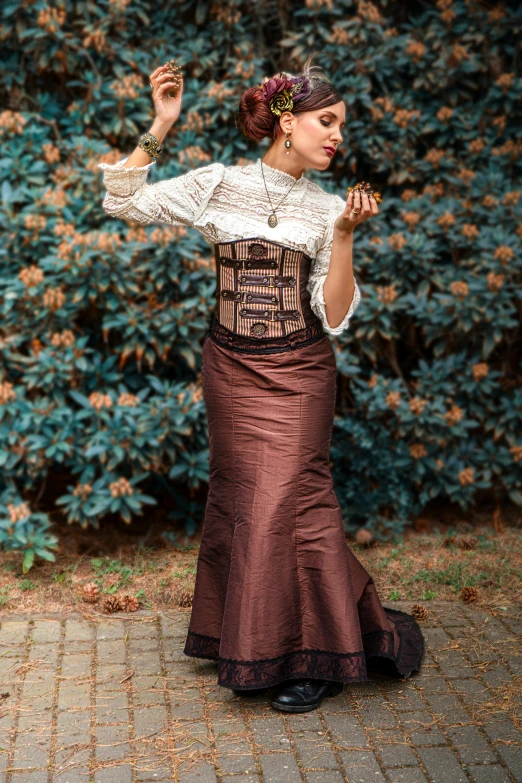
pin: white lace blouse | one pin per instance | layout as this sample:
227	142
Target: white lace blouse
227	203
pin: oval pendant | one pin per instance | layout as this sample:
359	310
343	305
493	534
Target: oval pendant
272	220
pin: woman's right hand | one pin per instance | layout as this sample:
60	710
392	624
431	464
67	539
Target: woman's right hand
167	109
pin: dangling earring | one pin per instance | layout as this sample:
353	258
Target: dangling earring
288	143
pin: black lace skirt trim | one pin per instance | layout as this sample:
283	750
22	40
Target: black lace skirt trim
319	664
238	342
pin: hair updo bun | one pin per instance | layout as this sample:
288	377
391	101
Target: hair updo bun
255	117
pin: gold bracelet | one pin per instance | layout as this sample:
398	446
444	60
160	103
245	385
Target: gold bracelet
150	144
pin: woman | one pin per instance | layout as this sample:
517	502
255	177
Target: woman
279	599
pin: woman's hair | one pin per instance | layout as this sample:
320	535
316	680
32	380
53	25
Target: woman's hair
255	117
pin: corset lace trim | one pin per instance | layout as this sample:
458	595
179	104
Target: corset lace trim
236	342
378	648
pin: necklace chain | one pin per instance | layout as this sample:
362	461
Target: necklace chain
272	219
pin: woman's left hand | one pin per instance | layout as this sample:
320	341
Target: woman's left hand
362	203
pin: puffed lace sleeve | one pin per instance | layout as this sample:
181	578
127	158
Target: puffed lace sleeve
319	271
177	201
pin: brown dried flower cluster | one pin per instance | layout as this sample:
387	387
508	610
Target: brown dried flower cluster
408	193
444	114
63	339
495	282
129	400
516	453
127	87
466	476
121	487
434	156
18	512
511	198
459	289
411	219
418	450
480	371
51	19
393	400
470	231
31	275
82	490
397	241
503	253
417	405
416	50
12	122
453	416
7	392
386	294
53	298
99	400
446	220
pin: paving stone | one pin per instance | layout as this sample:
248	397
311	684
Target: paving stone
471	745
422	729
394	750
269	734
512	758
471	690
489	774
314	750
146	662
448	707
148	720
201	772
149	691
116	774
377	714
496	676
407	775
46	631
110	651
151	771
76	775
324	776
30	777
346	731
111	744
361	766
144	629
77	630
442	765
186	703
405	699
111	629
112	707
31	749
279	767
501	729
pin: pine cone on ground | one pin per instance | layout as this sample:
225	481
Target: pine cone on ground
112	604
450	541
364	537
467	542
184	597
469	594
90	592
419	612
128	603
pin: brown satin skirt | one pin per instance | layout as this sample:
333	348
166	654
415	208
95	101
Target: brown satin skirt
279	594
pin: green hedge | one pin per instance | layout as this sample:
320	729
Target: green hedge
103	321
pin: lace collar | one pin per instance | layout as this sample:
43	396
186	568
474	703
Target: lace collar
278	177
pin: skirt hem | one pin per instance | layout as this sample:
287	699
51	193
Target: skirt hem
319	664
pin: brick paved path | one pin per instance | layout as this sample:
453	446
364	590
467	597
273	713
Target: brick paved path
112	699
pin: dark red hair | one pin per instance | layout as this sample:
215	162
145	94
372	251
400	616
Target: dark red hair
256	120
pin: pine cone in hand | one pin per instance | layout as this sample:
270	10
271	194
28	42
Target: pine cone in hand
419	612
111	604
90	592
469	594
128	603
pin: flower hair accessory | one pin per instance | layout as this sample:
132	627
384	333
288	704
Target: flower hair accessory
283	92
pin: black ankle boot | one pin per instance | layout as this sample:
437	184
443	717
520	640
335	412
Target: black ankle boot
251	692
304	695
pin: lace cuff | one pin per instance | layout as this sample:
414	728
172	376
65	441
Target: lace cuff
318	306
121	181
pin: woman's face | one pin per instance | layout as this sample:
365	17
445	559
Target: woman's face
312	131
